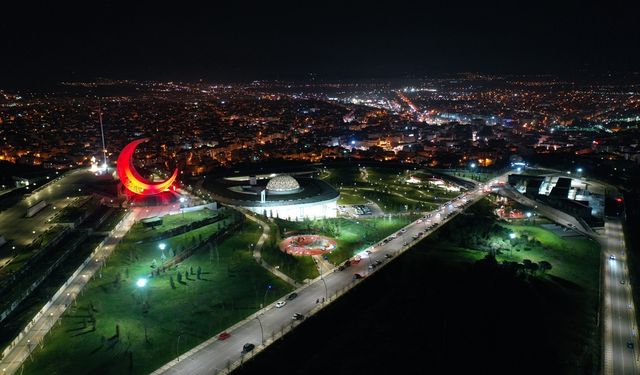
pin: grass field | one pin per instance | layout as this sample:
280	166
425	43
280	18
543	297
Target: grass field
574	272
387	187
351	198
351	235
174	318
474	319
112	220
573	258
140	233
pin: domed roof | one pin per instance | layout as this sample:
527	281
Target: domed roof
282	183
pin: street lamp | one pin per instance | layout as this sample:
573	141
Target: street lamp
141	283
162	246
261	330
264	299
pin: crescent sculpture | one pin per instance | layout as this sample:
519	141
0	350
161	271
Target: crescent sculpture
130	177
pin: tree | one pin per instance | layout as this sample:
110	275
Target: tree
544	266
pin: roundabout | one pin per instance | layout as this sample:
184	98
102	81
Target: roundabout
307	245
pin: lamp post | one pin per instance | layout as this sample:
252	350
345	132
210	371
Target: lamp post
178	343
261	330
511	236
182	200
162	246
326	292
264	299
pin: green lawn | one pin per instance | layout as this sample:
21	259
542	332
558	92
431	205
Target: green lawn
573	258
351	235
388	187
232	286
140	233
349	198
111	221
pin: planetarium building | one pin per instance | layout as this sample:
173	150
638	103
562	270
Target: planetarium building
280	196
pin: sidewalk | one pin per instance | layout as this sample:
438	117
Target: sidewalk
257	250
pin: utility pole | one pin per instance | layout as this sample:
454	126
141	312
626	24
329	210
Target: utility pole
104	147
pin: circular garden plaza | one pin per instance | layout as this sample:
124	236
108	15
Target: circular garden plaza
307	244
285	197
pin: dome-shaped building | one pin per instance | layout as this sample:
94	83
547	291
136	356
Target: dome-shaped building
281	196
283	184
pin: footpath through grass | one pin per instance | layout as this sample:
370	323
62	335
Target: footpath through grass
120	328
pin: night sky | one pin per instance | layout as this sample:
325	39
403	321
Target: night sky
245	41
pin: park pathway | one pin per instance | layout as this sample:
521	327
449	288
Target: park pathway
257	254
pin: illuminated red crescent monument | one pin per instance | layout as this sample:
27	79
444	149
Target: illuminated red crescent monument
132	180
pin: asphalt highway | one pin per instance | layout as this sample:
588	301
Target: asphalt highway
620	331
620	341
216	355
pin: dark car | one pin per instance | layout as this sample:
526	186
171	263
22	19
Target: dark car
378	262
246	348
388	256
629	344
297	316
292	296
341	267
347	263
357	276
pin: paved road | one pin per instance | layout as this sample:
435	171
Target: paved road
618	307
18	228
44	320
619	316
215	355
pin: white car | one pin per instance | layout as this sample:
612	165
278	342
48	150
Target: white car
281	303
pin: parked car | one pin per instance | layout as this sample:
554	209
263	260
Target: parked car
224	336
246	348
341	267
281	303
629	344
357	276
292	296
388	256
612	257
